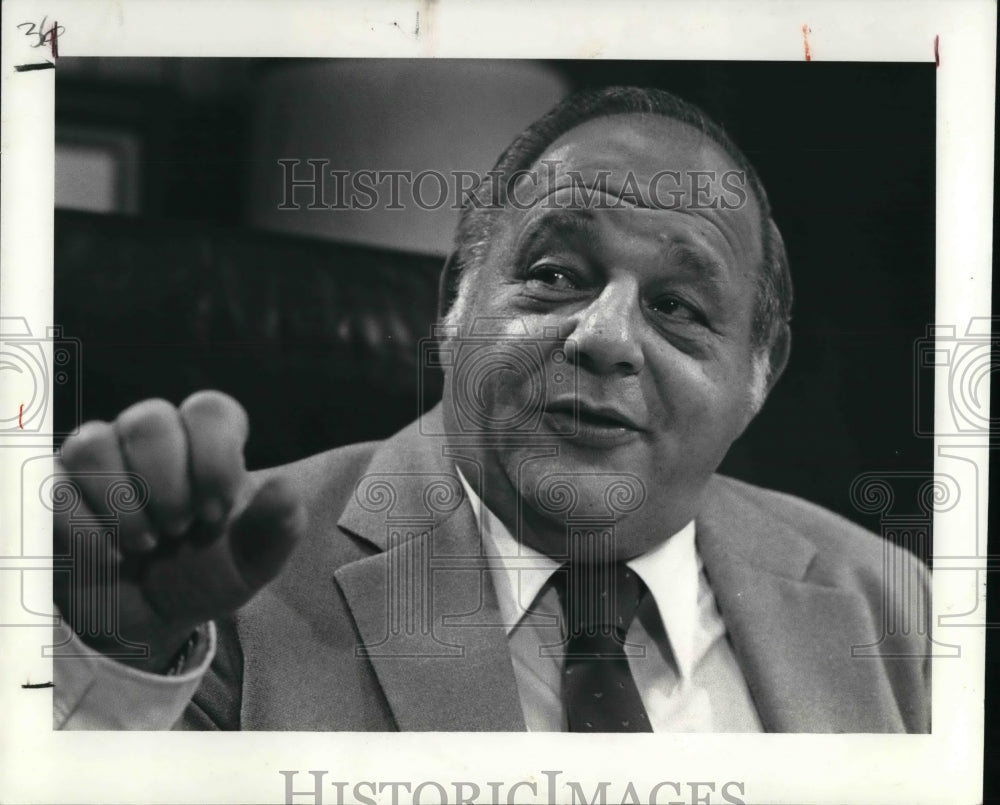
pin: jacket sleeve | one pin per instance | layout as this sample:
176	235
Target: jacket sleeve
217	702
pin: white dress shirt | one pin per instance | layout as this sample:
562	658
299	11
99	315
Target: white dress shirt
679	655
688	678
93	692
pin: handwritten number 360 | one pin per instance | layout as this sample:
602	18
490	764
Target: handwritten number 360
45	37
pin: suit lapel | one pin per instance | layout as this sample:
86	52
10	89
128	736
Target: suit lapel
430	624
792	636
424	604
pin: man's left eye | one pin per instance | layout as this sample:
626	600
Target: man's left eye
676	309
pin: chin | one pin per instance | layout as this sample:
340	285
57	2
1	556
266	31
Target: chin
576	485
575	491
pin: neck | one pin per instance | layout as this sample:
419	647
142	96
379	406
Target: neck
587	535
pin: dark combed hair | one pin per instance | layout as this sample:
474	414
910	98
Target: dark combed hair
478	218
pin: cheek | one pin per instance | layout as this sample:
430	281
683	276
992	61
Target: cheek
484	310
706	400
496	383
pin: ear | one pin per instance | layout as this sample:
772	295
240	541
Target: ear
448	284
778	356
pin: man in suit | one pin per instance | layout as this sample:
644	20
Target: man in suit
548	549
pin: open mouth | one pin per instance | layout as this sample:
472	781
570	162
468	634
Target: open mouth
589	419
596	419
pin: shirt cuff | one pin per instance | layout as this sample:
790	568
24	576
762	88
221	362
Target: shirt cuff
93	692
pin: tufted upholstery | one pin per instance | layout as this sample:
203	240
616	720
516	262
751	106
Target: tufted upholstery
319	340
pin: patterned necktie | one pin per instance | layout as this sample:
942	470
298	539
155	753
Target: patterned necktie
598	691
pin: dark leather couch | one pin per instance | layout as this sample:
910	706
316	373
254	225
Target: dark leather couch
319	340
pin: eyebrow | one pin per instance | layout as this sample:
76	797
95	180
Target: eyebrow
696	265
703	267
565	223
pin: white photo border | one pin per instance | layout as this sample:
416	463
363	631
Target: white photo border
39	765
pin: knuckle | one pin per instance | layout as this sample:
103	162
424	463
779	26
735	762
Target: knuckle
89	447
217	416
146	421
211	404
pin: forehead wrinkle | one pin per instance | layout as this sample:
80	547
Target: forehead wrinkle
646	143
713	243
569	184
691	250
561	222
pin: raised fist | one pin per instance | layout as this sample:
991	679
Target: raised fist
206	541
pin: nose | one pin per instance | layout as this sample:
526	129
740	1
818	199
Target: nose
606	332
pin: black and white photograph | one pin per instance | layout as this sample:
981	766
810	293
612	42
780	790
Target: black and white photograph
473	394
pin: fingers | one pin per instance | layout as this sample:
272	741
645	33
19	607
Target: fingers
93	457
153	444
191	463
85	555
203	580
216	427
267	530
189	460
92	589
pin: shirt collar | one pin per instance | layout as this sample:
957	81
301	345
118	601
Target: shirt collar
670	571
518	571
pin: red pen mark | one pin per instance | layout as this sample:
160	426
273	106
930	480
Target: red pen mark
54	39
19	412
805	41
937	55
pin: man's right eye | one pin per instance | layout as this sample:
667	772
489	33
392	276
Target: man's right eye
551	277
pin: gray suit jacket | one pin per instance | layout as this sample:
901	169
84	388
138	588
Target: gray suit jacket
385	618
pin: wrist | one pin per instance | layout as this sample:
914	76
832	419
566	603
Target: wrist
169	658
165	655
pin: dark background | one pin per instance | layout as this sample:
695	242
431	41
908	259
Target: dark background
319	340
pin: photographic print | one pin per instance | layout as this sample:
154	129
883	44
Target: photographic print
366	383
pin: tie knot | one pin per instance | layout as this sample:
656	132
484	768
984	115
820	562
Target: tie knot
598	598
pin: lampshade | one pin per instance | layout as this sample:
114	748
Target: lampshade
353	118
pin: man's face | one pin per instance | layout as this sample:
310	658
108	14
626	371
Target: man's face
655	293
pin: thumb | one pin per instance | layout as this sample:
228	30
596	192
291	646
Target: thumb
264	534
